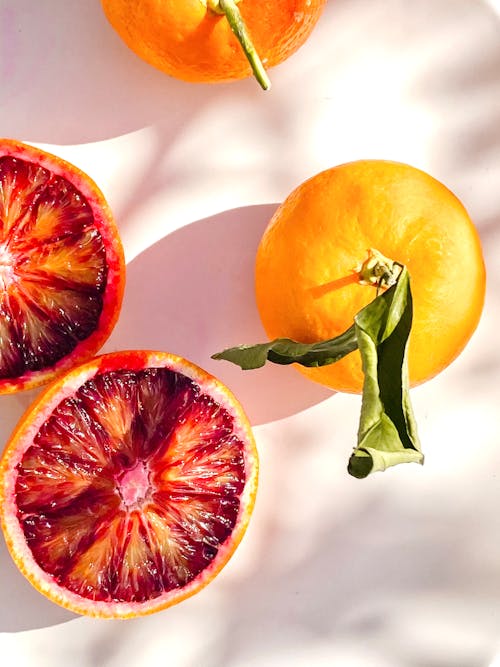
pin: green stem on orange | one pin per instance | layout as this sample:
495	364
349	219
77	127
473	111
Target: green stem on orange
387	433
378	270
233	15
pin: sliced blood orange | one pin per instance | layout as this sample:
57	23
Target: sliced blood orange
128	484
61	266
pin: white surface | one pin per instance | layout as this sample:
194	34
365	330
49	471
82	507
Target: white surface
401	569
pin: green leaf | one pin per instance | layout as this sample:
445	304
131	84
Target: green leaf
285	351
387	433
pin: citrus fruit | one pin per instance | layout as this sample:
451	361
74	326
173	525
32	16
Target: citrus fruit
307	279
62	269
128	484
195	40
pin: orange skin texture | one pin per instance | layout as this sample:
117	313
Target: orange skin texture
189	41
113	296
307	286
22	438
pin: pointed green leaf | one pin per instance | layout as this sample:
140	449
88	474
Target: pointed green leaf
387	432
285	351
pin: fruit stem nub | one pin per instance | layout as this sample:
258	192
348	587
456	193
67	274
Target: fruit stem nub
378	270
237	24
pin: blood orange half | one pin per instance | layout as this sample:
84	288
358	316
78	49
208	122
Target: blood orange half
128	485
62	268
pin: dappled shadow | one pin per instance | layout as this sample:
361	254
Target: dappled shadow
192	294
391	571
463	96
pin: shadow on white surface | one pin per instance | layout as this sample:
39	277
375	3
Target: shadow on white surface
192	294
12	407
67	78
464	96
22	607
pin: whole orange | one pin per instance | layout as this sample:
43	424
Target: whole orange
307	284
190	40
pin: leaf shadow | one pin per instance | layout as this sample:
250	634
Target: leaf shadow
191	293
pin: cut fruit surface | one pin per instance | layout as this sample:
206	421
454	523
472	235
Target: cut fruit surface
62	268
128	484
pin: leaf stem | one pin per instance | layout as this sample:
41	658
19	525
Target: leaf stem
378	270
237	24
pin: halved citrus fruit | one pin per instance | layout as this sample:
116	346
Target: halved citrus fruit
128	484
308	283
62	268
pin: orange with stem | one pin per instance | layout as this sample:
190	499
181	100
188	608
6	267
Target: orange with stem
214	40
333	274
308	281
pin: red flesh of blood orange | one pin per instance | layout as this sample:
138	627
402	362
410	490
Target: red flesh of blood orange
62	268
128	484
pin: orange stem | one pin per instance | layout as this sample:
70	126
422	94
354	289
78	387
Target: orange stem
237	24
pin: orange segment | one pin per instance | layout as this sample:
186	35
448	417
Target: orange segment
93	570
48	480
78	262
110	405
18	176
57	537
70	433
137	580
